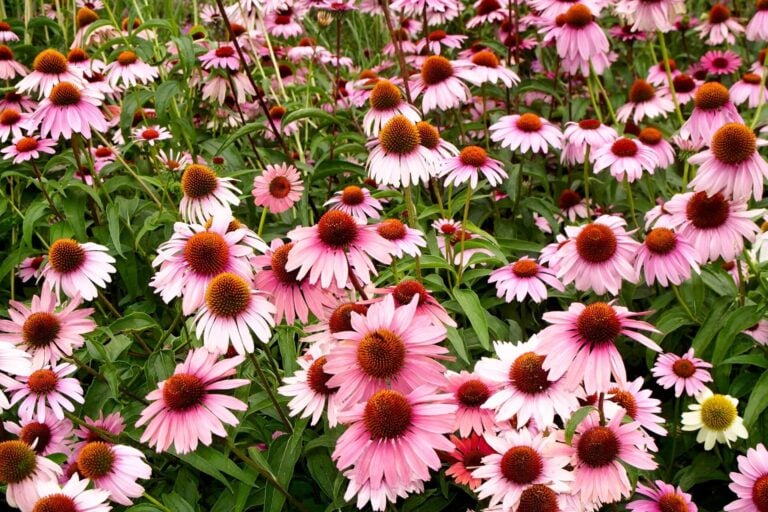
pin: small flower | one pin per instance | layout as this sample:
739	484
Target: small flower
407	240
470	392
114	468
666	258
626	159
357	202
386	102
712	109
45	437
69	109
663	497
469	165
684	373
46	387
222	57
718	62
25	149
465	458
398	155
524	278
720	27
77	269
645	103
440	85
526	132
151	134
73	497
129	70
716	419
278	188
309	391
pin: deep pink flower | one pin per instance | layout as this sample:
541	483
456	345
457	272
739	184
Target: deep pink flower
662	497
684	373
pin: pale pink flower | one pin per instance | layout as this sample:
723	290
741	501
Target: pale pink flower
49	387
357	202
712	109
9	68
684	373
748	483
31	268
581	43
405	291
278	188
626	159
386	101
526	132
469	165
151	134
114	468
223	57
720	27
440	85
309	391
49	69
644	103
77	269
749	89
757	28
407	240
437	39
666	258
663	497
650	16
398	156
45	437
654	140
129	70
523	278
638	404
484	67
758	332
206	194
69	109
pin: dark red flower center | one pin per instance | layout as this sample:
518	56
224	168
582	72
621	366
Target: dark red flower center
42	382
683	84
317	379
55	503
279	261
5	53
641	91
150	134
207	253
224	52
624	148
399	136
578	16
9	117
436	69
598	324
762	5
568	199
387	415
391	229
525	268
198	181
406	290
598	447
719	13
521	465
437	35
486	7
538	498
50	62
734	143
760	493
381	354
650	136
183	391
706	212
661	241
720	63
337	229
96	460
684	368
385	96
36	434
711	96
40	329
473	393
341	318
277	112
77	56
66	255
596	243
528	375
751	78
228	295
672	502
589	124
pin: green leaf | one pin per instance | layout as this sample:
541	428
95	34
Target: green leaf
308	113
758	401
163	96
31	216
144	507
711	325
177	503
748	359
113	220
470	304
135	321
283	456
575	420
457	342
734	322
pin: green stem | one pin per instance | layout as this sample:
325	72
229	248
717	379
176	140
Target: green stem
262	221
586	181
270	392
683	304
463	237
155	502
631	201
605	95
412	221
761	102
665	56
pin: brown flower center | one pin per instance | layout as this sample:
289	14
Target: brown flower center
751	78
428	134
207	253
706	212
126	58
399	136
624	148
684	368
337	229
387	415
224	52
760	493
5	53
625	400
538	498
17	462
317	379
528	375
76	56
85	17
650	136
436	69
437	35
734	143
661	241
9	117
525	268
198	181
762	5
96	460
55	503
578	16
40	329
50	62
529	123
66	255
568	199
279	187
183	391
228	295
521	465
719	13
486	58
277	112
352	195
37	434
641	91
711	96
42	382
473	393
385	96
473	156
683	84
596	243
391	229
64	94
589	124
486	7
279	261
381	354
26	144
406	290
671	502
598	324
341	318
598	447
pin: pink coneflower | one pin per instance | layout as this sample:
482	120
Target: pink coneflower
309	391
484	67
685	88
22	470
45	437
638	404
625	159
398	156
720	27
222	57
524	389
282	23
206	194
719	62
465	458
521	460
231	312
405	430
657	75
25	149
49	69
732	165
663	498
9	68
6	33
386	102
644	103
406	240
389	346
437	147
278	188
11	123
551	9
757	28
598	452
151	134
18	102
666	258
470	392
654	140
758	332
487	11
715	226
650	16
713	108
114	468
77	269
111	423
129	70
185	409
437	39
600	256
78	58
174	160
407	289
472	162
526	132
749	88
439	84
337	245
31	268
69	109
357	202
626	33
196	254
572	205
581	344
524	278
750	483
74	496
581	43
47	386
684	373
336	319
578	137
47	334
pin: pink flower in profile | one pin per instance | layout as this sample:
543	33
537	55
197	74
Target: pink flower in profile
644	103
22	470
712	109
386	102
684	373
400	154
581	344
440	85
11	123
357	202
389	346
76	269
407	240
6	33
309	391
586	134
293	298
650	16
114	468
196	254
662	497
231	313
720	27
524	389
25	149
484	67
666	258
749	89
581	43
47	334
467	457
223	57
150	135
206	195
758	332
732	164
438	39
49	387
470	391
393	437
74	496
335	246
45	437
31	268
654	140
520	461
129	70
405	291
749	482
599	453
111	423
600	255
572	205
685	88
625	159
715	226
526	132
757	28
718	62
278	188
638	404
551	9
524	278
69	109
49	69
469	165
185	409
